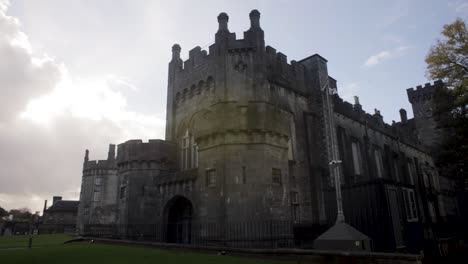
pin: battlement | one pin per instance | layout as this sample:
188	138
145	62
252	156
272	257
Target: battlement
94	165
421	94
374	121
154	150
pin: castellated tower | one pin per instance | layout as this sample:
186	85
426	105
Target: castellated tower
422	101
98	196
251	128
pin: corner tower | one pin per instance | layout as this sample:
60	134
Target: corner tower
247	123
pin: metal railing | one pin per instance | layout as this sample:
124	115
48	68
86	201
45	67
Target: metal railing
265	234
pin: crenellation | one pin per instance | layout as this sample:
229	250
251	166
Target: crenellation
244	129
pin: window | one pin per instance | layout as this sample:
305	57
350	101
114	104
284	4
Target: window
189	152
410	205
295	212
244	175
409	166
294	198
276	176
97	196
123	190
356	157
396	169
97	181
86	211
211	178
378	162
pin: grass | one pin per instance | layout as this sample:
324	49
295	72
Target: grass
38	240
85	252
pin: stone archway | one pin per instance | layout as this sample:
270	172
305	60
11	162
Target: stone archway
178	212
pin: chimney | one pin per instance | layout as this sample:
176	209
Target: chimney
45	207
403	116
55	199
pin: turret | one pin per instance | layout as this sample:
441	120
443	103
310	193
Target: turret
254	19
223	20
403	115
255	36
86	158
111	153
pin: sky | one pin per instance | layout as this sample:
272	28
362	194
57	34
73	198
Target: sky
78	75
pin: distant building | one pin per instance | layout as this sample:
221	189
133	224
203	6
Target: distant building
248	144
60	217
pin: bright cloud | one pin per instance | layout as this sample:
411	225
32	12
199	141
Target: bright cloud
49	116
384	55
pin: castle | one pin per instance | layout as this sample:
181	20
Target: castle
249	139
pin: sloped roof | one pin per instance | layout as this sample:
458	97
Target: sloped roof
342	231
64	205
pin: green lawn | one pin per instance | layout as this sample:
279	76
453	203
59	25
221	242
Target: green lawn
38	240
85	252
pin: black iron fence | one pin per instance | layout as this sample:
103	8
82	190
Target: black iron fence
267	234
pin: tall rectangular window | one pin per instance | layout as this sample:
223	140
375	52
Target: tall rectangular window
294	197
97	196
410	205
396	169
409	166
211	178
244	175
378	162
295	212
188	152
123	190
276	176
356	157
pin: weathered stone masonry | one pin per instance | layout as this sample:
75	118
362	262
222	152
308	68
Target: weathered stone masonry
247	141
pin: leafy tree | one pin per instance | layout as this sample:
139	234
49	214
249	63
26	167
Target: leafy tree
3	212
22	213
444	62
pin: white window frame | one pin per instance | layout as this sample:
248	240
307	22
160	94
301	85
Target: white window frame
411	209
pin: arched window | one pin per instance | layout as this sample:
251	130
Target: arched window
189	152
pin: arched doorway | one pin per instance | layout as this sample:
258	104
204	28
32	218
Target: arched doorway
179	220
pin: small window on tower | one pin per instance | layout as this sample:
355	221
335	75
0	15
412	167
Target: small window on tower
276	176
123	190
97	181
211	178
97	196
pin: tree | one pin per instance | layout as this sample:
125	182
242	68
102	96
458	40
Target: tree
445	62
22	213
3	212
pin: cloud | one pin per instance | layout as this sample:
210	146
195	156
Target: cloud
460	7
48	116
384	55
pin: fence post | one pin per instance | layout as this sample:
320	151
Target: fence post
30	243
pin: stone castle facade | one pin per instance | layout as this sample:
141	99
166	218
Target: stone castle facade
248	139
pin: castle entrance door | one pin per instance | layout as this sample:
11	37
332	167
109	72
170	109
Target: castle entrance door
179	220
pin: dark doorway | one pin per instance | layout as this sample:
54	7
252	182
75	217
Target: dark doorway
179	220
